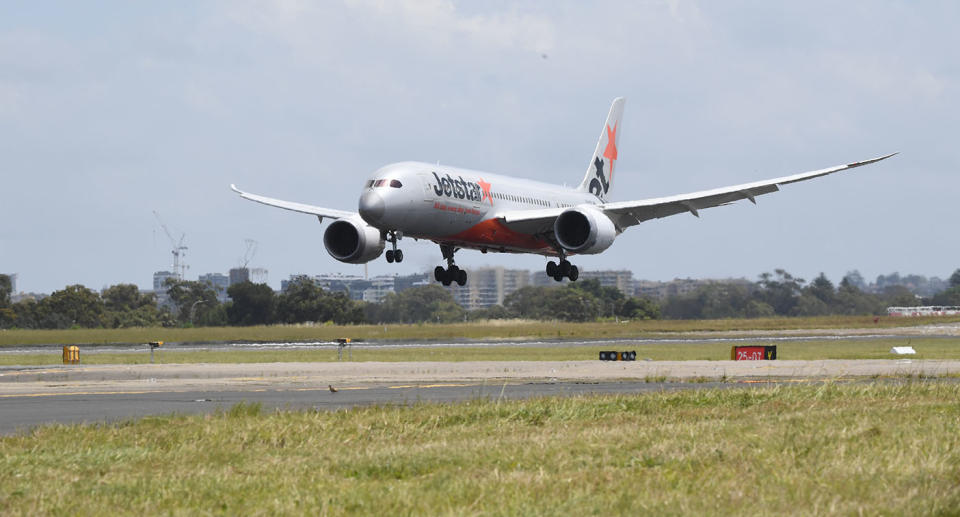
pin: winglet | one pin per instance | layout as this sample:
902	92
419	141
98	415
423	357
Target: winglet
872	160
235	189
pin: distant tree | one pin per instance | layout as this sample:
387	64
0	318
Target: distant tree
303	301
253	304
126	307
852	301
822	289
713	301
855	279
949	297
429	303
781	292
640	309
74	305
6	288
493	312
125	297
610	298
810	305
195	302
899	296
530	302
955	279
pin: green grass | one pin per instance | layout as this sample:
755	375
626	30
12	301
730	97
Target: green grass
475	330
887	449
927	348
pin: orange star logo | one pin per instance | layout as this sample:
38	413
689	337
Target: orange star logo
610	153
485	187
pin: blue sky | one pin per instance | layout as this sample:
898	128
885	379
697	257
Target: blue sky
111	110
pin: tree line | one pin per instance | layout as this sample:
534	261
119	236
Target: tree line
194	303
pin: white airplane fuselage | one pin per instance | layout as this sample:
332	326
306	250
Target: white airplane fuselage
450	205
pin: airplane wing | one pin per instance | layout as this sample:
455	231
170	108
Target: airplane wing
628	213
296	207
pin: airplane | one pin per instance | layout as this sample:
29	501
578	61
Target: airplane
467	209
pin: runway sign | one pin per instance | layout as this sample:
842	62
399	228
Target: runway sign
618	356
753	353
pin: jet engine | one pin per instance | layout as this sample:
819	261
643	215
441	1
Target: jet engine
584	230
353	241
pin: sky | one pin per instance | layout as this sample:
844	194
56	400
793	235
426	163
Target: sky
110	111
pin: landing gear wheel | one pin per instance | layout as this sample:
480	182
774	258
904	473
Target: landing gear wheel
398	256
558	277
439	273
461	277
573	275
551	268
564	267
390	257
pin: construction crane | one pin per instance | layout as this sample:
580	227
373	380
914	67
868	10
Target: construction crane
251	250
178	250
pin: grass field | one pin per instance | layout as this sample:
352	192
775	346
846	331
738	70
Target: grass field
873	449
927	348
474	330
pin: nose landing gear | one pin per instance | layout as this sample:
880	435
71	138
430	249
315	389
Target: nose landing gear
394	255
452	273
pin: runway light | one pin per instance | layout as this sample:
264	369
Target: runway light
613	355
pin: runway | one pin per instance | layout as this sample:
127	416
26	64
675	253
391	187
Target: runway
107	393
23	412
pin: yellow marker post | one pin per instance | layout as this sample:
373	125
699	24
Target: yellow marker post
71	354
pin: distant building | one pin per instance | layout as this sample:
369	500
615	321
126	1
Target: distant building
219	282
160	287
258	275
238	275
401	283
540	279
380	287
372	290
680	286
489	286
622	279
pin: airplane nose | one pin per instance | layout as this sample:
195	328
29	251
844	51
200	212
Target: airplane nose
371	207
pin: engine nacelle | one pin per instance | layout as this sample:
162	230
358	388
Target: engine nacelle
584	230
353	241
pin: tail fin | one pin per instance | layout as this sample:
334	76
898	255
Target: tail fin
599	178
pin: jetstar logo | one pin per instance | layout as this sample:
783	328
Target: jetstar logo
599	185
459	188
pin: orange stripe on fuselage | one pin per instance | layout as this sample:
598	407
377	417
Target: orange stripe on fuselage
493	234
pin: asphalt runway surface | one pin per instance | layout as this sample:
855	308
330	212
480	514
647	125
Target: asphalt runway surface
20	413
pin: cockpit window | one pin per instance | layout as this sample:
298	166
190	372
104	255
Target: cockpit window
383	183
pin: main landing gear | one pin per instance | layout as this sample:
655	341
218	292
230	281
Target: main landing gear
452	273
394	255
563	269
